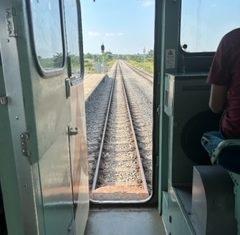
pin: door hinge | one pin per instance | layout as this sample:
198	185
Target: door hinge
158	110
157	162
159	79
10	13
24	139
3	100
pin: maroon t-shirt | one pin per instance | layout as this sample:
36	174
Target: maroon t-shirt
225	71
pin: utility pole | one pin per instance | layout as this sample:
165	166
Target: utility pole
102	50
144	57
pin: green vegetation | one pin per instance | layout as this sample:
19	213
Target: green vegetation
147	66
93	62
52	62
141	61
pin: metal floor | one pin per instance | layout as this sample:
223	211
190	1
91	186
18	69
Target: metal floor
124	221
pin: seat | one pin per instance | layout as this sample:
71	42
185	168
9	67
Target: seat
225	152
213	201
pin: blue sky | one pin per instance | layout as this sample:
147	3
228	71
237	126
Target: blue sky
204	22
125	26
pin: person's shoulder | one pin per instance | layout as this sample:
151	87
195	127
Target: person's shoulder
234	34
230	41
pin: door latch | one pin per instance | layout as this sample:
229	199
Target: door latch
72	131
67	87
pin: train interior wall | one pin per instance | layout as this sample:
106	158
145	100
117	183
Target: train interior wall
184	117
200	183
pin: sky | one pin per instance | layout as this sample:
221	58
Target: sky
127	26
204	22
123	26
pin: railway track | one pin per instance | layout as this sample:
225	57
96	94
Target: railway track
119	173
96	107
140	72
140	94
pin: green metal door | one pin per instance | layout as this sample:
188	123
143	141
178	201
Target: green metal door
37	120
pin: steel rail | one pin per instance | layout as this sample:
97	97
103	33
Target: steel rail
104	133
144	182
139	162
143	74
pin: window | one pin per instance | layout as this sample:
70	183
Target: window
73	35
47	33
204	22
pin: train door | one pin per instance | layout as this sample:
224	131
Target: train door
45	119
16	172
77	131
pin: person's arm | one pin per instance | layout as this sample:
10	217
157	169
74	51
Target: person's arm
217	99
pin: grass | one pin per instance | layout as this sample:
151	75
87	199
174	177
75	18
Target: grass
89	66
147	66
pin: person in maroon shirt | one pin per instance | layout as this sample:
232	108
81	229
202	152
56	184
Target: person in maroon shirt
224	77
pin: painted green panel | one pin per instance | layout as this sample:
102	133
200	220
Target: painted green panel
173	218
8	177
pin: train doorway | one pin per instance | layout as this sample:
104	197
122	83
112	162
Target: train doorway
119	112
